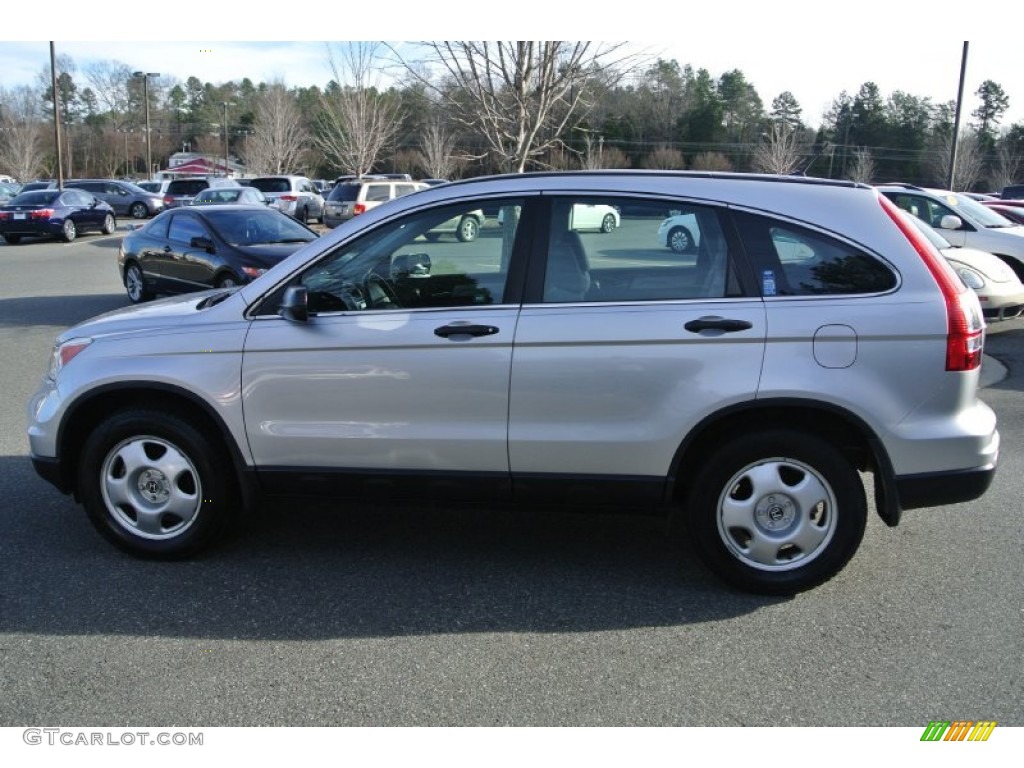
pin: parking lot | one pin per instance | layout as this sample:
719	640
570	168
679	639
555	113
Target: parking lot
357	615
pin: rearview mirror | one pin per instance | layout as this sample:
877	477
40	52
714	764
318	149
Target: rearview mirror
202	242
295	304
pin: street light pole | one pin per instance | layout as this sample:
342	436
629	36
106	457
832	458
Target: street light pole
145	95
225	105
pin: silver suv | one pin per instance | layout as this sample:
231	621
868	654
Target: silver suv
294	195
739	389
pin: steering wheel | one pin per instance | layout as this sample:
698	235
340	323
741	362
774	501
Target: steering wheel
379	294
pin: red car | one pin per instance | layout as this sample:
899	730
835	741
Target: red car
1011	209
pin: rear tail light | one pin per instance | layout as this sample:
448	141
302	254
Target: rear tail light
288	198
42	213
964	324
168	200
4	215
358	208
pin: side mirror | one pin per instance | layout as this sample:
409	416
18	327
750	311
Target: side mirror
950	221
202	242
411	265
295	304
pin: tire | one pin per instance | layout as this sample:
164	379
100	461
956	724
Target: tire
68	232
468	229
109	224
138	211
12	239
155	485
227	281
680	240
302	215
776	512
135	284
431	237
607	223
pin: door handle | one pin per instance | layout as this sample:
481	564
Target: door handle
465	329
715	323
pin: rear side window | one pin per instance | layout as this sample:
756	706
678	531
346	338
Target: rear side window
271	185
792	261
378	193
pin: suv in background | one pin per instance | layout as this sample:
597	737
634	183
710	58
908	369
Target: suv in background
125	198
351	198
294	195
181	191
962	221
740	391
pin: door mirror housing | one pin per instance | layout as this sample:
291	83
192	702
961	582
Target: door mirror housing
295	304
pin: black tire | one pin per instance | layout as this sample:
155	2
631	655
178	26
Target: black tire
109	224
12	239
227	281
302	215
138	211
468	229
155	485
68	231
776	512
680	240
135	284
607	223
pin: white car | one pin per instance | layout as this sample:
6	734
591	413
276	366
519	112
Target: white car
603	218
999	290
680	233
964	222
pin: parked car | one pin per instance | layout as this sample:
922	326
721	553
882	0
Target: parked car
963	222
738	394
236	195
158	187
206	246
1012	192
294	195
182	191
8	190
584	217
1014	213
32	186
433	182
125	198
999	290
55	213
352	198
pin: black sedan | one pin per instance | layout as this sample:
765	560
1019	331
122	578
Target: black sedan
55	213
206	246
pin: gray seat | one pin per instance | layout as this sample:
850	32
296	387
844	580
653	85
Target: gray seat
568	276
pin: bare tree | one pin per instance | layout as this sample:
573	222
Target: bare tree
21	133
1006	167
711	161
111	83
359	121
781	150
520	95
970	160
278	139
863	168
665	158
437	148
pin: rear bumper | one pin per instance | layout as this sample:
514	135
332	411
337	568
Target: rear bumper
934	489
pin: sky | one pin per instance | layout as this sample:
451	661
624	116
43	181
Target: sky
815	51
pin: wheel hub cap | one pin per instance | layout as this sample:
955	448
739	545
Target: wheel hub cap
775	512
154	486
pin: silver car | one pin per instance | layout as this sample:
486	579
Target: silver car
294	195
739	390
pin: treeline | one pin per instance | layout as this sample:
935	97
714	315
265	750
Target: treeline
657	114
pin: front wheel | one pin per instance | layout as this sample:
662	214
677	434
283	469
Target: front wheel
680	240
135	284
155	485
468	229
776	512
109	224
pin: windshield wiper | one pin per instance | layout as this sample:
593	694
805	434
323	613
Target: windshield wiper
215	299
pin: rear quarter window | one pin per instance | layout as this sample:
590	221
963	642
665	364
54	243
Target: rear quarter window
793	261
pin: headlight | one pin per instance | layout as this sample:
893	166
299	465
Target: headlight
64	354
971	278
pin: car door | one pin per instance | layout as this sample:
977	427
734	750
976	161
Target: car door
187	266
88	213
622	347
398	380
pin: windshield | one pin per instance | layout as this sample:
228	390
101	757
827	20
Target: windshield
271	185
976	212
36	197
255	226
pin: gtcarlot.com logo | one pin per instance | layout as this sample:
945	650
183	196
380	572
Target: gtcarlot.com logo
70	737
958	730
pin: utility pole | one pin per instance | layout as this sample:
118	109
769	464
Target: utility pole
149	142
956	123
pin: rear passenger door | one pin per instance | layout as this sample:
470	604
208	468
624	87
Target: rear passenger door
623	345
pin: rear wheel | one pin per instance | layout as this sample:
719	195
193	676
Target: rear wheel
227	281
155	485
138	211
468	229
607	223
776	512
12	239
680	240
68	231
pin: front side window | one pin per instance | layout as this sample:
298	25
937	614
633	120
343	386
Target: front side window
627	249
183	228
421	261
792	261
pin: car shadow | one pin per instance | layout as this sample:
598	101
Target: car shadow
59	311
310	571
